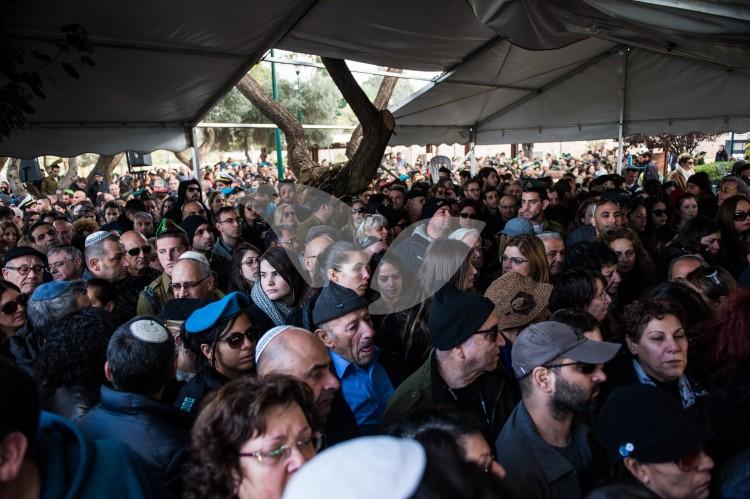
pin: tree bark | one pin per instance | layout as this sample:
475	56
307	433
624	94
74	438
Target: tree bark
383	97
70	175
297	146
104	165
186	156
13	180
528	150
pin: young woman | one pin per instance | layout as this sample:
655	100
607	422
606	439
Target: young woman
281	287
703	235
686	209
216	201
347	265
582	290
285	215
634	264
734	219
10	233
250	439
245	263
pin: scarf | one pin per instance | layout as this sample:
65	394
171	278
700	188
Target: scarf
276	311
687	394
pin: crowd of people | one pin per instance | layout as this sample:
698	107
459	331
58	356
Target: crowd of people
537	329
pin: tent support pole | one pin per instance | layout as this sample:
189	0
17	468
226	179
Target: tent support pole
472	140
196	159
620	123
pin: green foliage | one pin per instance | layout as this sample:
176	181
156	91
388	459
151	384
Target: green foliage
715	170
316	102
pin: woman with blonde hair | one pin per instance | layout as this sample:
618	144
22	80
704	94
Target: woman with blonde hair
525	255
372	225
285	215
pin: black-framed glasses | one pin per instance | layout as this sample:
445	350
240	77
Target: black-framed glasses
467	215
136	251
306	445
10	307
659	213
491	333
177	286
235	340
25	269
584	367
741	216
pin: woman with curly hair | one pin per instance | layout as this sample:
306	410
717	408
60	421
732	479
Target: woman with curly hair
250	438
9	233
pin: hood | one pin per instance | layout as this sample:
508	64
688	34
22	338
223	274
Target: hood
182	189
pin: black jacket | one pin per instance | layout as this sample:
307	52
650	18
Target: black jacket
175	213
155	431
203	383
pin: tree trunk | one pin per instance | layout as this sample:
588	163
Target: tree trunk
297	146
377	127
3	159
186	156
13	180
528	150
71	174
246	145
383	97
104	165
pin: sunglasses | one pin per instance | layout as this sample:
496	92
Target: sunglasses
659	213
358	210
193	189
10	307
467	215
135	251
584	367
741	216
236	340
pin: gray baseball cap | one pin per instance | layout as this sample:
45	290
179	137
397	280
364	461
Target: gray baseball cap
543	342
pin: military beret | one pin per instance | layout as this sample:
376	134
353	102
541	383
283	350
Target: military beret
168	226
207	317
51	290
336	301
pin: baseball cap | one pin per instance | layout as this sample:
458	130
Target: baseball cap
517	226
543	342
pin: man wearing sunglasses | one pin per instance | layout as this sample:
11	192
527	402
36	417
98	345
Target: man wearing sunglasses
463	369
559	373
188	190
138	255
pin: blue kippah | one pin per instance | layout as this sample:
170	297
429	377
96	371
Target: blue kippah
50	290
213	313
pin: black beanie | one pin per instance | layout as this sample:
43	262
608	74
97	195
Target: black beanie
336	301
456	315
432	206
191	224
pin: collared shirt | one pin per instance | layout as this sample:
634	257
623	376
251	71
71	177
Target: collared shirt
366	389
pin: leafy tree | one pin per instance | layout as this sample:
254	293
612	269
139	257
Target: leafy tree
676	144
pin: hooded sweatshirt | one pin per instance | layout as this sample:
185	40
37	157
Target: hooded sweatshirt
175	213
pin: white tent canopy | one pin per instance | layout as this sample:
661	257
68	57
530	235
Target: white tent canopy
626	67
160	66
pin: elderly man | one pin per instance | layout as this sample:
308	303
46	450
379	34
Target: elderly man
43	235
24	267
544	446
143	222
554	247
138	255
64	230
171	242
344	326
65	263
192	277
51	302
297	352
318	239
463	369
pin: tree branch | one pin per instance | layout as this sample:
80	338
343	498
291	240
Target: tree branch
383	97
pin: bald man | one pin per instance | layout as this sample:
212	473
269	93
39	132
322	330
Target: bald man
298	353
138	255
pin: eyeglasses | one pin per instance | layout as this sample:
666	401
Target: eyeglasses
177	286
358	210
690	462
659	213
57	266
135	251
289	213
231	221
306	445
10	307
491	333
235	340
741	216
288	241
25	269
514	260
584	367
250	261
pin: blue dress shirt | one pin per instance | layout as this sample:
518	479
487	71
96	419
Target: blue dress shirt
366	389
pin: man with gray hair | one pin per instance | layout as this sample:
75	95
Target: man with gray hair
143	222
65	262
51	302
554	247
192	277
105	259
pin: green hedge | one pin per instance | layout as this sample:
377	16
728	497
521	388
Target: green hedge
715	170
